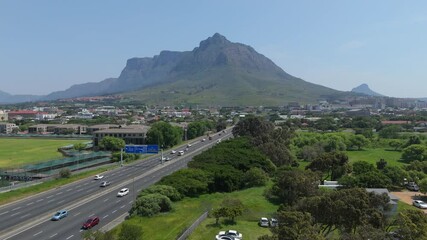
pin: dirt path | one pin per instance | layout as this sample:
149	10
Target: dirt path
408	196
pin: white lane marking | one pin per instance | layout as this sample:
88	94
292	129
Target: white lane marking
37	233
105	216
81	230
106	200
118	201
16	208
53	235
59	193
114	211
79	190
39	200
25	215
28	204
92	215
90	190
15	214
122	206
69	237
86	184
131	202
3	213
69	189
113	174
77	214
61	201
49	196
51	200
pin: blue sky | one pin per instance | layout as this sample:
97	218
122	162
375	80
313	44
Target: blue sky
47	46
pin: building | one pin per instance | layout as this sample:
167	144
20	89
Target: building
132	134
3	116
22	114
94	128
7	128
58	128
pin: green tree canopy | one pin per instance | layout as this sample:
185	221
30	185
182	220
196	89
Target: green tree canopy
112	143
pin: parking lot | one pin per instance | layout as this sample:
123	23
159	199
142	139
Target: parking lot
408	196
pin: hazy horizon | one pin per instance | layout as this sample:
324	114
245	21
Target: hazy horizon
49	46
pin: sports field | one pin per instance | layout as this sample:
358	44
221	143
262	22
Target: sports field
19	152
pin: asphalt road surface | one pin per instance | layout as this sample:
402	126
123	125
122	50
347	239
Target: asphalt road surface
30	218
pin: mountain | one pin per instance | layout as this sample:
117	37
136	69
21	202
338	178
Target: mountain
9	98
217	72
364	89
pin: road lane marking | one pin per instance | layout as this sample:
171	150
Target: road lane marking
49	196
106	200
92	215
118	201
25	215
59	193
122	206
3	213
69	237
131	202
77	214
79	190
37	233
61	201
81	230
53	235
86	184
40	200
51	200
16	208
114	211
90	190
28	204
15	214
69	189
105	216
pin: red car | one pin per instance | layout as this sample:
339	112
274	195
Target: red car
91	222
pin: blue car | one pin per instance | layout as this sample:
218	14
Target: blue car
60	214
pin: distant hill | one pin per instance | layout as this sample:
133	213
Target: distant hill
9	98
364	89
217	72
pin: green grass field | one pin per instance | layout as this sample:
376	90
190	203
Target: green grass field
170	225
373	155
19	152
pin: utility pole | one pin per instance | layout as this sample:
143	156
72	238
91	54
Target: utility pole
121	157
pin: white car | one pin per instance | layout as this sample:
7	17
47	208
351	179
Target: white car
188	145
204	139
180	153
419	204
123	192
98	177
263	222
229	233
173	152
165	158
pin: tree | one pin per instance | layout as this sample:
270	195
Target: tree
395	174
165	190
414	152
358	141
411	224
79	147
361	167
112	143
218	213
164	134
189	182
233	208
391	131
423	185
292	184
130	231
381	164
296	225
412	140
395	144
255	177
150	205
333	165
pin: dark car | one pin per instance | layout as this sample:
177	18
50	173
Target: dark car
90	223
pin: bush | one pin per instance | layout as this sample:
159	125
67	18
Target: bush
255	177
189	182
165	190
150	205
65	173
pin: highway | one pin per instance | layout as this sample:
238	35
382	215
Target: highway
30	218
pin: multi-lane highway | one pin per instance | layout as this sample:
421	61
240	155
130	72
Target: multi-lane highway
30	218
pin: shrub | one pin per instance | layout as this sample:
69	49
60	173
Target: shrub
65	173
165	190
150	205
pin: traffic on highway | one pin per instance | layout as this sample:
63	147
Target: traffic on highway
107	196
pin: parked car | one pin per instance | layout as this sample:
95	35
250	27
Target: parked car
263	222
123	192
273	222
98	177
104	184
90	223
412	186
224	237
419	204
59	215
230	233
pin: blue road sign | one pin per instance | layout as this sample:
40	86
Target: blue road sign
141	149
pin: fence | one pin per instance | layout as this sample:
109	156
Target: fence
193	226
